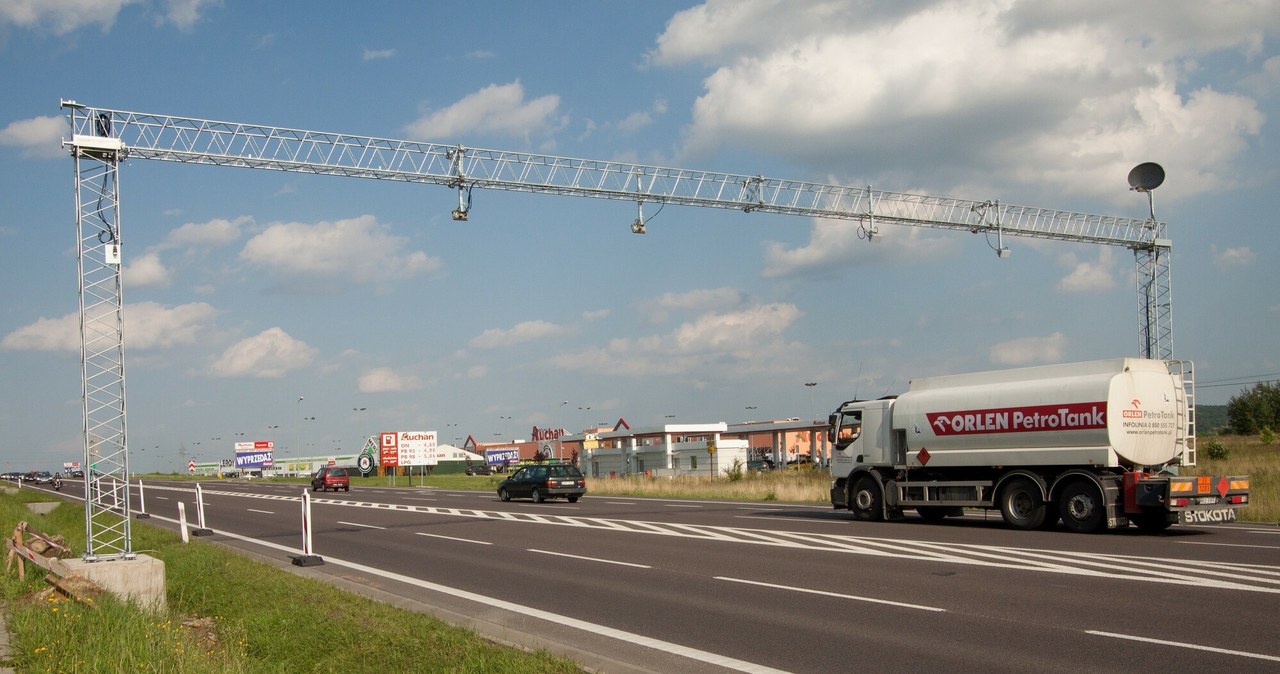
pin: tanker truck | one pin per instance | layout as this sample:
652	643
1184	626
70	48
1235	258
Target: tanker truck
1096	445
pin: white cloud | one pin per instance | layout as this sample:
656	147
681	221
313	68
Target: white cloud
270	354
1029	350
216	232
527	331
39	137
737	343
1233	257
840	244
62	16
1088	276
692	301
358	250
1061	96
147	271
372	54
151	326
387	380
186	13
497	108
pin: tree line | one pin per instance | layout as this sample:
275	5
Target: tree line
1255	411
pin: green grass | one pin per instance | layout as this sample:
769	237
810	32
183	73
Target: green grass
249	617
1248	456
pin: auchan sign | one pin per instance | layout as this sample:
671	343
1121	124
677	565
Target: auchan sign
408	448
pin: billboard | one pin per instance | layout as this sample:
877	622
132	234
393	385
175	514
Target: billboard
501	456
408	448
254	455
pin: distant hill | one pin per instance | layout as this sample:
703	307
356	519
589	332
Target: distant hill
1211	419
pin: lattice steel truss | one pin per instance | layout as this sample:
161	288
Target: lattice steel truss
106	458
138	135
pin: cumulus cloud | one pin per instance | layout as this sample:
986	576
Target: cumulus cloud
357	250
64	16
744	341
498	108
385	379
693	301
151	326
1029	350
147	271
527	331
216	232
39	137
835	244
1087	276
270	354
1232	258
1061	96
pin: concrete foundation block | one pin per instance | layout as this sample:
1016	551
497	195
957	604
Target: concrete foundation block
139	580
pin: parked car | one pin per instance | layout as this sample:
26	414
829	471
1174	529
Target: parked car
330	477
480	469
760	465
543	481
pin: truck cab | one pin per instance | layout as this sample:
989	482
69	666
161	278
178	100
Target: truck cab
860	435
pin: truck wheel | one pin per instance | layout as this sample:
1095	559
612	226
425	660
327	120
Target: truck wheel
866	501
1082	508
1021	505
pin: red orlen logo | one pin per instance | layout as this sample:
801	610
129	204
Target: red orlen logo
1064	417
1136	412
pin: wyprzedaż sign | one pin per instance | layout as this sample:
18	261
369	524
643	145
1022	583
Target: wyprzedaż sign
254	455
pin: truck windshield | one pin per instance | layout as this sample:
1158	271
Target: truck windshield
849	429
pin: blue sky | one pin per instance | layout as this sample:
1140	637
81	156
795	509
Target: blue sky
256	299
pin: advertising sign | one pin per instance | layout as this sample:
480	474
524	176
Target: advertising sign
389	449
418	448
254	455
502	456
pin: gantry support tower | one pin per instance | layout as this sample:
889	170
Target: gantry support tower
108	136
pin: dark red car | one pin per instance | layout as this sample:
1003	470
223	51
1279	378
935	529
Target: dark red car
330	477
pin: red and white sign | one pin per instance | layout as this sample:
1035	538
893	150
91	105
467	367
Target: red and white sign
256	444
191	466
1030	419
389	449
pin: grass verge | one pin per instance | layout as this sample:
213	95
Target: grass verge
228	613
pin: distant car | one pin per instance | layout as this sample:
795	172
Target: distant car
330	477
543	481
480	469
760	465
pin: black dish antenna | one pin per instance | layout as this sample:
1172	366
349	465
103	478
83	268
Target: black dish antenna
1146	177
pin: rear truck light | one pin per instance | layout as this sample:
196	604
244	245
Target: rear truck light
1178	502
1239	498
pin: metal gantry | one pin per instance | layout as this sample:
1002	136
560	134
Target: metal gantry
108	136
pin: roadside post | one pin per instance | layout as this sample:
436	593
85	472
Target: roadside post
182	521
142	503
307	558
202	530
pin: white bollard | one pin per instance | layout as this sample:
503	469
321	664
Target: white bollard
307	558
142	503
182	521
202	530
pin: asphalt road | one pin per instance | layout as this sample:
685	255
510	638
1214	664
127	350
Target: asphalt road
635	584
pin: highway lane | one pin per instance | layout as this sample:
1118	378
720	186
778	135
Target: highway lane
803	588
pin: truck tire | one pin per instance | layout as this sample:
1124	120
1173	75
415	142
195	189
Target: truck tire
866	501
1021	505
1082	508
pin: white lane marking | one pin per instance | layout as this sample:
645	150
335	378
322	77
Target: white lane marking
415	498
620	502
1232	545
790	519
357	524
589	559
1179	644
531	612
454	538
833	594
264	512
679	505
